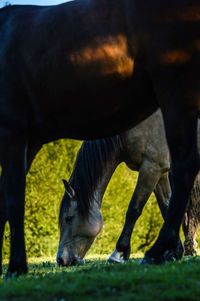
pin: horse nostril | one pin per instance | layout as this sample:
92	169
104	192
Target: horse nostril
77	261
74	262
60	261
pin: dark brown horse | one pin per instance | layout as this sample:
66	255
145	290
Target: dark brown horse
90	68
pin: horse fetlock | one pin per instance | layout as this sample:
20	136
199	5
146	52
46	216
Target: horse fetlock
17	268
123	245
116	257
171	255
152	257
164	250
167	256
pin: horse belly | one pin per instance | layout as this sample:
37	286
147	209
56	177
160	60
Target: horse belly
84	111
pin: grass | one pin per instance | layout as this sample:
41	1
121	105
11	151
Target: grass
98	280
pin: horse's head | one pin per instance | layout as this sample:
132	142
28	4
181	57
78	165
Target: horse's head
76	233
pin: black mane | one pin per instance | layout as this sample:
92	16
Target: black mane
88	169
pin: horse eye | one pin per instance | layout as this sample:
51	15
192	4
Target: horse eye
68	219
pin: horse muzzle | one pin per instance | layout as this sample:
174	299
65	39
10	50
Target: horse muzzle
70	261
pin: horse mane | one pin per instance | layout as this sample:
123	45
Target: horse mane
88	169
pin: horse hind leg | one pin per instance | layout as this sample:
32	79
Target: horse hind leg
2	225
190	227
162	192
191	220
149	175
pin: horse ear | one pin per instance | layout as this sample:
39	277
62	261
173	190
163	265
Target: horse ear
68	189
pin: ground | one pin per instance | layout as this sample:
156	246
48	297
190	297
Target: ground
98	280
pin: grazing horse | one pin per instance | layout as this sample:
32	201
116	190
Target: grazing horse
143	149
90	68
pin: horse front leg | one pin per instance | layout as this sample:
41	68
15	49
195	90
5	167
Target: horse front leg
181	132
162	192
13	193
149	174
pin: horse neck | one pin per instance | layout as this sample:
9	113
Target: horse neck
108	171
95	164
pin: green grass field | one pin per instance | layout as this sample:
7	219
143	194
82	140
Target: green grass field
98	280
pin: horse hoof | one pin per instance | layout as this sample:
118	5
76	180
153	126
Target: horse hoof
15	270
116	257
190	253
170	255
147	260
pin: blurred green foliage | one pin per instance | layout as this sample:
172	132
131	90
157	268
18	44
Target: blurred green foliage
44	192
